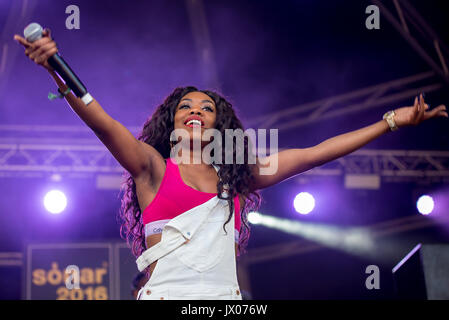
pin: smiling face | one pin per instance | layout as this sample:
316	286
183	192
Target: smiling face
194	110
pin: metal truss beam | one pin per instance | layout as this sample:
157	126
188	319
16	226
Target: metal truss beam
76	159
408	16
74	156
376	96
391	165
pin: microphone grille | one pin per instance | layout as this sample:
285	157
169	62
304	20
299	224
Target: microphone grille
32	32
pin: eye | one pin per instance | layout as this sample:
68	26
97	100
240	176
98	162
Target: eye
205	107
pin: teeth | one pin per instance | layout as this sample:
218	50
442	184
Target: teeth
194	122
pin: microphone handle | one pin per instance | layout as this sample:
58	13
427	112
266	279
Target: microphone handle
63	69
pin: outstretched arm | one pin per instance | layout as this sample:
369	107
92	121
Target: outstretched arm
135	156
291	162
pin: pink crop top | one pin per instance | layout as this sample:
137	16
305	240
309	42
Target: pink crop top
175	197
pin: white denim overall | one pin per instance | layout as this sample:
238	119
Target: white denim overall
196	258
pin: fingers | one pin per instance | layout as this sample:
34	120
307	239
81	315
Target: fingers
46	37
38	52
41	59
41	42
420	110
440	111
48	34
22	41
416	105
421	105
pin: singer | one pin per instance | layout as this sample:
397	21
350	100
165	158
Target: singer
188	222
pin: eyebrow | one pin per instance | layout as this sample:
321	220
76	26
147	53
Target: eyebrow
201	100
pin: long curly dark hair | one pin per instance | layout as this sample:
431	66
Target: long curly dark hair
156	132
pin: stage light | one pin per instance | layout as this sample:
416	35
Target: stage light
304	203
425	204
254	217
354	240
55	201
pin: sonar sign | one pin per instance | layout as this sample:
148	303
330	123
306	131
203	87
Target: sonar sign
74	271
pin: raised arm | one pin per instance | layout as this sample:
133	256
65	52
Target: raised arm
294	161
134	155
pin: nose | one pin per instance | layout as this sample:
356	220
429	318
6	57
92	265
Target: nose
196	110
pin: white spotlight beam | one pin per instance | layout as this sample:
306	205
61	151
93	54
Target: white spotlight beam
302	246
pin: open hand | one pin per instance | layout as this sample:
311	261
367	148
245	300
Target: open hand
414	115
40	50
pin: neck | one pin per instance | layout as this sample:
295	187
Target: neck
195	157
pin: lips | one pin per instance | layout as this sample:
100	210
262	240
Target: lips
194	120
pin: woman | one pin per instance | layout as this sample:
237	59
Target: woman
185	218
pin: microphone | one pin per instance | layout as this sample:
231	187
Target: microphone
32	33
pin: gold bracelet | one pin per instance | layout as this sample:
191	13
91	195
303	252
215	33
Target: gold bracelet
389	116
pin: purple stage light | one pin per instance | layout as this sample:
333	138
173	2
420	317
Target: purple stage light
304	203
55	201
425	204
